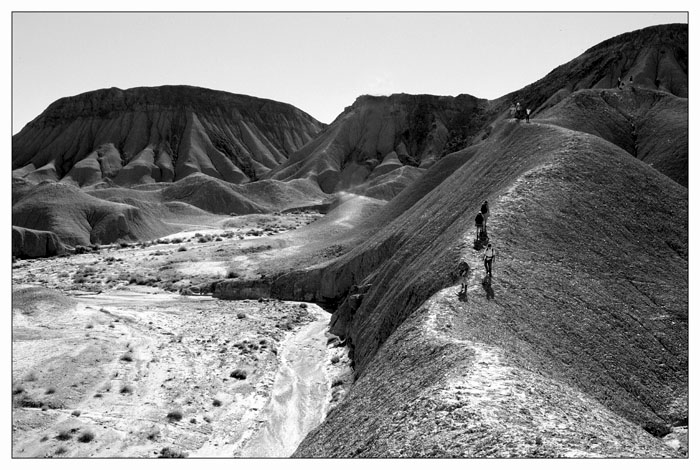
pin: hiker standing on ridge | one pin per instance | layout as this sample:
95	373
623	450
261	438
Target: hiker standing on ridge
619	83
527	115
489	255
464	276
479	221
518	111
485	213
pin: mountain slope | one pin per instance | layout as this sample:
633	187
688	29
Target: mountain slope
80	219
582	293
648	124
142	135
377	135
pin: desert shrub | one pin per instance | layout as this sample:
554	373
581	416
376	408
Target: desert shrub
51	390
182	248
193	420
175	415
127	357
64	435
232	274
337	382
18	389
175	241
126	389
168	453
76	413
124	245
239	374
240	315
86	436
90	326
60	450
30	377
335	359
216	402
44	438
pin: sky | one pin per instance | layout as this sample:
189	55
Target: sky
318	62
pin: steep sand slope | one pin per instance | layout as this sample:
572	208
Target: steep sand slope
585	235
142	135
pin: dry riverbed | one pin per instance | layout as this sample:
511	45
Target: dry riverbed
126	370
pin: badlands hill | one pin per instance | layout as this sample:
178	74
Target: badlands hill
145	135
377	138
580	339
578	345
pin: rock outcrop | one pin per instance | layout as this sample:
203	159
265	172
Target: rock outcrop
145	135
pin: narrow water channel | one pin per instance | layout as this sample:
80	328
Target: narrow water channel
300	395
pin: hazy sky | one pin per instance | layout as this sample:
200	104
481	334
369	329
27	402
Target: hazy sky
318	62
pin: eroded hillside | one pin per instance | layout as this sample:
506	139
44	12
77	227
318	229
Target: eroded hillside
162	134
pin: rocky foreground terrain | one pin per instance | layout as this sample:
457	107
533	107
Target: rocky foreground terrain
111	360
151	230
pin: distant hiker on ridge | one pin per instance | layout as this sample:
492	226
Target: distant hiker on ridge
485	213
479	221
489	255
518	111
527	115
619	83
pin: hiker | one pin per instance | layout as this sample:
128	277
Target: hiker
464	276
485	213
489	255
619	83
518	111
479	220
527	115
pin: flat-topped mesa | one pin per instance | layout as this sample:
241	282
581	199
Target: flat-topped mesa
160	134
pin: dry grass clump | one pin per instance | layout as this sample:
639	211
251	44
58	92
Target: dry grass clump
175	415
169	453
86	436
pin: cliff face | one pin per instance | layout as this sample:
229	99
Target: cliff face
378	135
145	135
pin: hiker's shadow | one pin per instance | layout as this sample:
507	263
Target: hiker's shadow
486	284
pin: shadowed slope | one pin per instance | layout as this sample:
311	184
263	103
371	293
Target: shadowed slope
165	133
583	292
